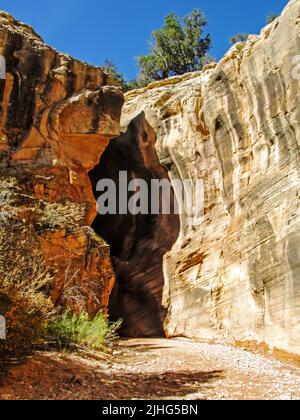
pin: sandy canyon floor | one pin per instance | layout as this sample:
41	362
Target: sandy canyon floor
153	369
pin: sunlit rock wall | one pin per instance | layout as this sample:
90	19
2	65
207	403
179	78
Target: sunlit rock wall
236	273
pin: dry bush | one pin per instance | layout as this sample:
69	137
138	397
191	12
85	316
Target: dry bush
25	283
58	215
78	289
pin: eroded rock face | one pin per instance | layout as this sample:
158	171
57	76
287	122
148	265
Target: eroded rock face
138	242
57	116
233	273
236	125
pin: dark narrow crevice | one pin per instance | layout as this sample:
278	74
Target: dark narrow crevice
138	243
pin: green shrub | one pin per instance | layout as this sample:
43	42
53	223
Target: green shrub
80	329
26	282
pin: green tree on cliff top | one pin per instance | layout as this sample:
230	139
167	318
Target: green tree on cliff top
177	48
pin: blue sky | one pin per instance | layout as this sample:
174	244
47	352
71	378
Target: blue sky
93	30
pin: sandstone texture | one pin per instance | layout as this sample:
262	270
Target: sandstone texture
235	272
57	116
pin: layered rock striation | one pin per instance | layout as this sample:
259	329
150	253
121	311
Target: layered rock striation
57	116
235	272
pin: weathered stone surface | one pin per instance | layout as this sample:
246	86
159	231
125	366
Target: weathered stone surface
57	116
234	273
236	125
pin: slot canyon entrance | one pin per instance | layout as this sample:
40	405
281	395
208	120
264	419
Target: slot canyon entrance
138	242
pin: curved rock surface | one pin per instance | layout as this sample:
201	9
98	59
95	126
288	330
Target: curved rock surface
236	126
234	272
57	116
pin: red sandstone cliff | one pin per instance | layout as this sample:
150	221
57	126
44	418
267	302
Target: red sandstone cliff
57	116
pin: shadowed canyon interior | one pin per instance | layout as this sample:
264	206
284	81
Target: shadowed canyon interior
138	242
